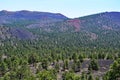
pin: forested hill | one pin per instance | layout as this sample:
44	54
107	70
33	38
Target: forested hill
29	17
54	29
50	46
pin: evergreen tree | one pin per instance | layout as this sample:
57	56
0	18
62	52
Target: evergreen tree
44	64
93	65
3	68
57	67
114	73
90	77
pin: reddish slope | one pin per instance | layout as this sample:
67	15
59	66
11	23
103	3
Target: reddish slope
76	23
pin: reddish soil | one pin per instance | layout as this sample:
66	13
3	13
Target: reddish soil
76	23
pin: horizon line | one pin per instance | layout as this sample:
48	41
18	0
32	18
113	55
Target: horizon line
56	12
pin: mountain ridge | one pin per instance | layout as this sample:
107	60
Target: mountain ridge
10	17
102	28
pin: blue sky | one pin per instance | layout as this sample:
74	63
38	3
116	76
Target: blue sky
70	8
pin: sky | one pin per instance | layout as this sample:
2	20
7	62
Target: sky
69	8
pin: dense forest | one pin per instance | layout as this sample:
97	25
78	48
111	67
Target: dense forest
46	46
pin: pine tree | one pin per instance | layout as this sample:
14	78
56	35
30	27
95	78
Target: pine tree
93	65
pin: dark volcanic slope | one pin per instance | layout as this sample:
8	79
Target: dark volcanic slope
21	33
